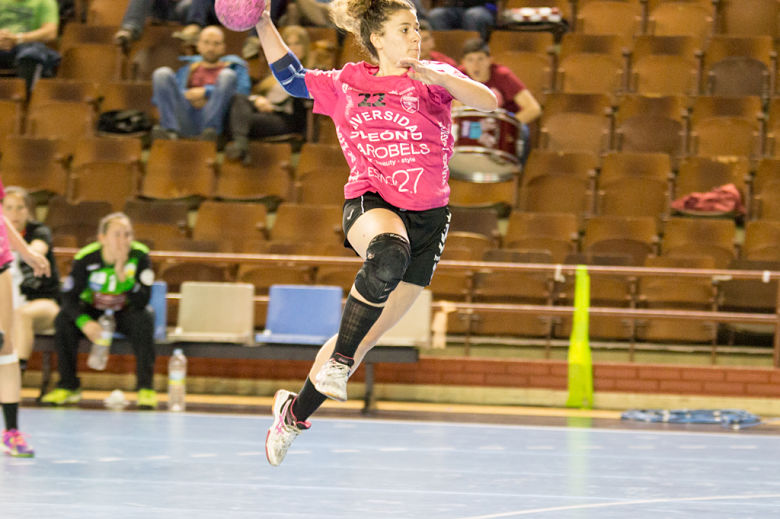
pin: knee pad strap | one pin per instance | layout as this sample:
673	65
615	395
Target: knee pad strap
387	258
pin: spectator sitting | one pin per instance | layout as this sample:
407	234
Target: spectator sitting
35	303
470	15
512	94
25	27
428	46
138	11
194	100
272	111
112	273
201	14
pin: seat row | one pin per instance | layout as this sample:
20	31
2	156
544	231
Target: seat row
676	125
663	62
631	184
694	17
111	169
315	229
664	65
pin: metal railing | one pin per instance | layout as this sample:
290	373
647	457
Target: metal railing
555	271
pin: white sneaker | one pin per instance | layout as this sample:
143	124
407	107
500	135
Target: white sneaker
331	380
281	434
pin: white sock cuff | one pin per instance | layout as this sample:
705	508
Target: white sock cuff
9	359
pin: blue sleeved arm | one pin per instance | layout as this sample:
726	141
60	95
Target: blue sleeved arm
290	74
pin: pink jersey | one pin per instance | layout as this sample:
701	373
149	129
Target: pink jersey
5	248
394	131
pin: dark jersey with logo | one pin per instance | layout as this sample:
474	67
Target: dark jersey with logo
33	287
94	284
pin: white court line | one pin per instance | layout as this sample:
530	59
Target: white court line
620	503
655	435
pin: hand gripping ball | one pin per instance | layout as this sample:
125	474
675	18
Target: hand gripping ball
239	15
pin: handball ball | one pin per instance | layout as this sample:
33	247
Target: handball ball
239	15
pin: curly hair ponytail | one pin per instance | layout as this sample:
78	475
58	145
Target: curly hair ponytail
365	17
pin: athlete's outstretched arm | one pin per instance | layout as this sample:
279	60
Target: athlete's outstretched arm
285	66
273	45
469	92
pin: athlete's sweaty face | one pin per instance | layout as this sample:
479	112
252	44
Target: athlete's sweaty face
400	37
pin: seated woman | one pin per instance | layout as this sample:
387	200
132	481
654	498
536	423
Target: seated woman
36	305
271	111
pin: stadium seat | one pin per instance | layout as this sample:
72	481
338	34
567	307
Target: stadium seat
215	312
268	177
301	314
36	164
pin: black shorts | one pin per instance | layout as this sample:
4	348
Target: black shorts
427	231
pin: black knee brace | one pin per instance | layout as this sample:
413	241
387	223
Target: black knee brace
387	257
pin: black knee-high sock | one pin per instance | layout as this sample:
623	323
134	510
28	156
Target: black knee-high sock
357	319
11	415
307	401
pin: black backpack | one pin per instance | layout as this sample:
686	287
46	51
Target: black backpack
124	121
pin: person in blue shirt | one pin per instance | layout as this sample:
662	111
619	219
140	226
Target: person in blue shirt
194	100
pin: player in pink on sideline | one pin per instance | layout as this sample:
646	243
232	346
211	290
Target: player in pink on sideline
394	125
12	441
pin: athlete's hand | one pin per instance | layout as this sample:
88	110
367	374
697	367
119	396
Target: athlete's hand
422	72
196	96
266	17
92	330
38	263
262	104
7	39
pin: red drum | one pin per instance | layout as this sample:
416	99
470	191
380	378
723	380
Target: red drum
485	145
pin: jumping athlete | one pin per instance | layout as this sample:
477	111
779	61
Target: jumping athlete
393	122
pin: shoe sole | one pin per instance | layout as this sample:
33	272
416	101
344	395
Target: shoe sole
67	401
332	396
276	415
9	452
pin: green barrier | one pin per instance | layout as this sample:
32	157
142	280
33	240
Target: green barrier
580	366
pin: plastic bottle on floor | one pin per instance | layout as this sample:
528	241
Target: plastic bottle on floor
98	354
177	381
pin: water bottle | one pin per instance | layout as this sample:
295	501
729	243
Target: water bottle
177	381
98	354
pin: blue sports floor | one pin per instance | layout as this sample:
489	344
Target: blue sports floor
116	465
